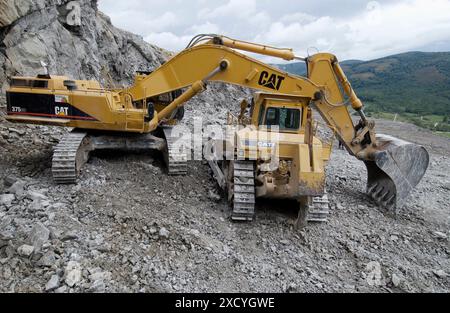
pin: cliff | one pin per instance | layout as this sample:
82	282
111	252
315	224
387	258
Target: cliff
74	38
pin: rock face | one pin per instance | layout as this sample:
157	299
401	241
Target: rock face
73	38
76	40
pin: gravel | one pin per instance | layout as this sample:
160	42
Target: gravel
53	283
73	273
25	250
127	228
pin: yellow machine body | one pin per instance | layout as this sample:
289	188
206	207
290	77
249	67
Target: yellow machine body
102	109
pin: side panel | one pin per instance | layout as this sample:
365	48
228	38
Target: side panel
43	105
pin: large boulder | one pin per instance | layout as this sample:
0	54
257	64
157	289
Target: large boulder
12	10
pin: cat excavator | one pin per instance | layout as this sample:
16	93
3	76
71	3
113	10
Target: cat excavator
143	115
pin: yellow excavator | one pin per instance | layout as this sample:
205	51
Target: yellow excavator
143	115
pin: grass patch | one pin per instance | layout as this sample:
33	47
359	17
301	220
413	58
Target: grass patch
443	134
436	123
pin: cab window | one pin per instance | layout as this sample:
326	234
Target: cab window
29	83
287	119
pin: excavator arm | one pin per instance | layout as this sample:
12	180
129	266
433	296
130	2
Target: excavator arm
394	167
215	61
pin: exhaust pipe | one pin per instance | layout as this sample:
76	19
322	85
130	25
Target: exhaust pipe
397	168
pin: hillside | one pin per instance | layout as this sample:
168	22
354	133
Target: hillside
415	85
94	49
299	68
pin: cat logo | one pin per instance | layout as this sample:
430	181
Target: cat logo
61	111
263	144
273	81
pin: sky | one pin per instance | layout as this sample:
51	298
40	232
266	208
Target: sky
350	29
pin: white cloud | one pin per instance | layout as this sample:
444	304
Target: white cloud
259	20
168	40
139	21
233	8
350	28
162	22
379	31
205	28
298	17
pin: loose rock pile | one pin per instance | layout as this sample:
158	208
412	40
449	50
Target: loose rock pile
128	227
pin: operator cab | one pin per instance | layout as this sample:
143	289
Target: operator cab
285	112
288	119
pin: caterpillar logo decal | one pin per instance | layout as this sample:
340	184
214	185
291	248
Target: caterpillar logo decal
273	81
61	111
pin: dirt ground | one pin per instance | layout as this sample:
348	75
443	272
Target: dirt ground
128	227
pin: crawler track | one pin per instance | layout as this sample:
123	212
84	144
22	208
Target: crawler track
319	210
69	156
243	189
176	154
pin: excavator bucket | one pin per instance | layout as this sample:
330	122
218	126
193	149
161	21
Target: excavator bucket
397	169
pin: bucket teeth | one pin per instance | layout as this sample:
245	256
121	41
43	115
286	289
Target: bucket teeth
370	189
378	192
397	166
387	204
384	197
391	199
388	197
381	196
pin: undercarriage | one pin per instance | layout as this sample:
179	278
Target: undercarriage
237	179
75	148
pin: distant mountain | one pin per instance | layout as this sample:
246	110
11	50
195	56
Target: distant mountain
410	83
298	68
